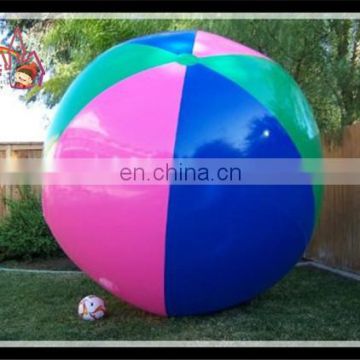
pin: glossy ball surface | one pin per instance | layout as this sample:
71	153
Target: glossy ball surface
183	250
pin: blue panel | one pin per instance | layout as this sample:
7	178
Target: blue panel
225	244
180	42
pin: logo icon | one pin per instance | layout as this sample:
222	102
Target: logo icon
24	67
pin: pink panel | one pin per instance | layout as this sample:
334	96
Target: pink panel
207	44
117	233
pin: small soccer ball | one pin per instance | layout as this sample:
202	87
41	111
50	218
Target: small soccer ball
91	308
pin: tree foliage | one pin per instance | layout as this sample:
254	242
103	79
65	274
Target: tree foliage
322	55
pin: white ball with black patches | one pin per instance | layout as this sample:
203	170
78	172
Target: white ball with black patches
91	308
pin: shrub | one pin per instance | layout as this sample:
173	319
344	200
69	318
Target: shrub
24	233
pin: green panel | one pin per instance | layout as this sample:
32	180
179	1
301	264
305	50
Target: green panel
272	86
106	70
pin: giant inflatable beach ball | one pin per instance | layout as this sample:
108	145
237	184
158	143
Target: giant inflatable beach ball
180	249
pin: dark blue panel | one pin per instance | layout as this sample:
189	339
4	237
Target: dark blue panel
225	244
180	42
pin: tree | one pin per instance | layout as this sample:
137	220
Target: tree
322	55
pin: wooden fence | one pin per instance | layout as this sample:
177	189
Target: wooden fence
336	241
17	151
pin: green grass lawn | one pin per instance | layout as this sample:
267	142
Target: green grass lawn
309	304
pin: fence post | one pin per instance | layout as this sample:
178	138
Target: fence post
8	154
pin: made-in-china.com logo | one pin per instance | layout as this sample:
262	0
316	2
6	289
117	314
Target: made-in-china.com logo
23	68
